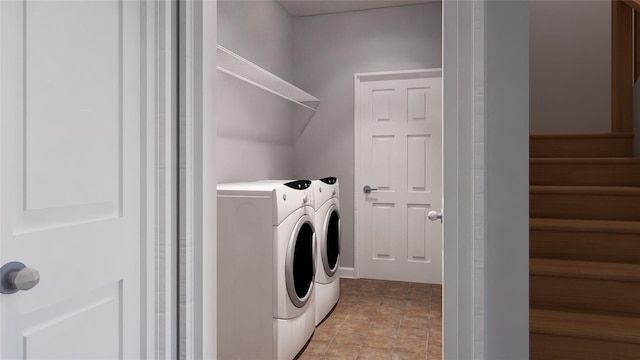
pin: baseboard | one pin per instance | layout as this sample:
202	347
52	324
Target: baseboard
348	272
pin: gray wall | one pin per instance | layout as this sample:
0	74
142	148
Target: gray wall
507	180
328	51
570	73
254	127
260	31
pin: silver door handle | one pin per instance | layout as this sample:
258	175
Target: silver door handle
16	276
434	215
368	189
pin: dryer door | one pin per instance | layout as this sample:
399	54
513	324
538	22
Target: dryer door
330	246
300	262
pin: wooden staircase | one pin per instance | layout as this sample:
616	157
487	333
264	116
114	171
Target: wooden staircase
584	247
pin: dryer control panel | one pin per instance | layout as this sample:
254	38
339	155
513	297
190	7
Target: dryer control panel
291	196
299	184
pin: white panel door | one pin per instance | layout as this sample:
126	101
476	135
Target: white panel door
400	156
70	177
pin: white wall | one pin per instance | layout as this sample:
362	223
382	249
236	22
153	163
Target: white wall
570	73
328	51
254	127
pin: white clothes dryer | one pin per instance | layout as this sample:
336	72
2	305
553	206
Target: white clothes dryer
266	269
328	233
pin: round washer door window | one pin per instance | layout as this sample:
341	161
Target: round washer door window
331	244
300	264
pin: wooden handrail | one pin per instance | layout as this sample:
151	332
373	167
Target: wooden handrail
634	4
622	74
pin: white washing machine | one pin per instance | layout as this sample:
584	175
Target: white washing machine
327	221
266	269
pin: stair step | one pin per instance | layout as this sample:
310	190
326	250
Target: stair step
585	202
545	347
585	294
585	269
585	171
586	240
581	145
585	285
586	325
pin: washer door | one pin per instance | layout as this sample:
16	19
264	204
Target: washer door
330	246
300	262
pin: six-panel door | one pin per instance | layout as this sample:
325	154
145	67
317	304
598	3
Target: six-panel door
71	177
400	155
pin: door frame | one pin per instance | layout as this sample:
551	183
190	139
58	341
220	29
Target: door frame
358	79
160	178
197	307
463	99
464	179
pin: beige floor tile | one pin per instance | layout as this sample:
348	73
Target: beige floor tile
399	355
413	333
383	329
379	342
416	312
413	322
374	354
434	354
338	315
316	348
377	319
410	345
390	319
393	303
345	337
341	352
360	315
395	294
361	325
324	335
305	356
365	306
423	303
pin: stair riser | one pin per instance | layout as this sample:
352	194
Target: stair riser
585	294
585	246
585	174
580	206
580	147
545	347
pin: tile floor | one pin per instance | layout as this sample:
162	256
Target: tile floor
377	319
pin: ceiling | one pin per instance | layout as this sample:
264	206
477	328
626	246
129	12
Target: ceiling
317	7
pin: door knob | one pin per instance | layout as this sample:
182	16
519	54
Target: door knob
368	189
434	215
16	276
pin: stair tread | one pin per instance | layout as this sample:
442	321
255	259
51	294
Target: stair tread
584	269
586	160
594	325
605	226
603	135
587	190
